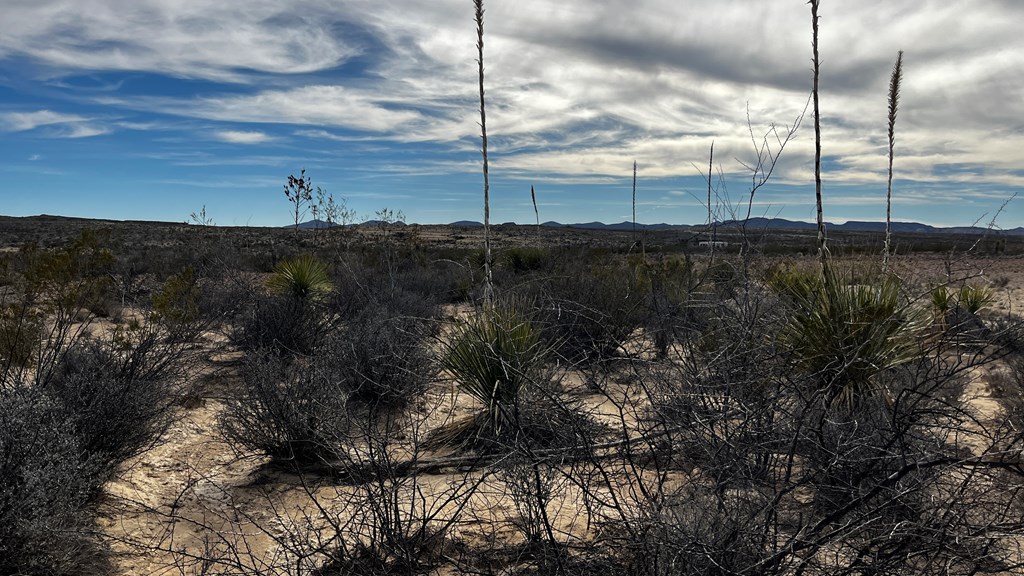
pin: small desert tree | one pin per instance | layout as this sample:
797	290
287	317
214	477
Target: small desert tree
299	192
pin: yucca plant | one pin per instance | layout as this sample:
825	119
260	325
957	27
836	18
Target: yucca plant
845	335
493	357
974	298
304	277
941	299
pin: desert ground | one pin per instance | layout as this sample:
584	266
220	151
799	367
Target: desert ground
667	420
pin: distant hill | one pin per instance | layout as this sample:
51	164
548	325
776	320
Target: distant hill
312	224
862	226
753	223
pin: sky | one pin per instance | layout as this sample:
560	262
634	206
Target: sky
155	109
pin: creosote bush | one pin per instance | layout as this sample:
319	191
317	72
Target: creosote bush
283	324
588	311
295	412
120	394
382	358
46	477
300	409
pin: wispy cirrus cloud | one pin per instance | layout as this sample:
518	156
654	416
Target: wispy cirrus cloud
317	105
20	121
59	124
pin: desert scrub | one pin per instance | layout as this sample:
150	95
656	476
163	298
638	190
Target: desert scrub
300	410
21	333
176	305
671	283
295	412
586	312
381	358
287	325
120	393
524	259
45	480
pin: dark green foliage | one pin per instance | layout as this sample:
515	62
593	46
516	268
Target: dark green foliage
177	305
845	334
304	277
494	356
524	259
21	332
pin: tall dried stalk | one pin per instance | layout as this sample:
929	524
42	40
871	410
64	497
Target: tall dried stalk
894	100
488	286
822	250
634	201
711	222
536	213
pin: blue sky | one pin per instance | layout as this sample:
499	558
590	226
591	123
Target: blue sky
151	109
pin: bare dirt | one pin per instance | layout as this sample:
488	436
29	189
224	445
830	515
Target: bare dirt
194	495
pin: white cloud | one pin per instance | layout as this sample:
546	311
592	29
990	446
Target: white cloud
61	125
319	105
576	90
242	137
189	38
82	130
21	121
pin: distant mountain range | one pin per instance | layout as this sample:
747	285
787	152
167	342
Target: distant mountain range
779	224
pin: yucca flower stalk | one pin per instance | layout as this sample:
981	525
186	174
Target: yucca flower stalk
479	18
536	213
894	99
822	249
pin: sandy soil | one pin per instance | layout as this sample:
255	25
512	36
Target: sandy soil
192	493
